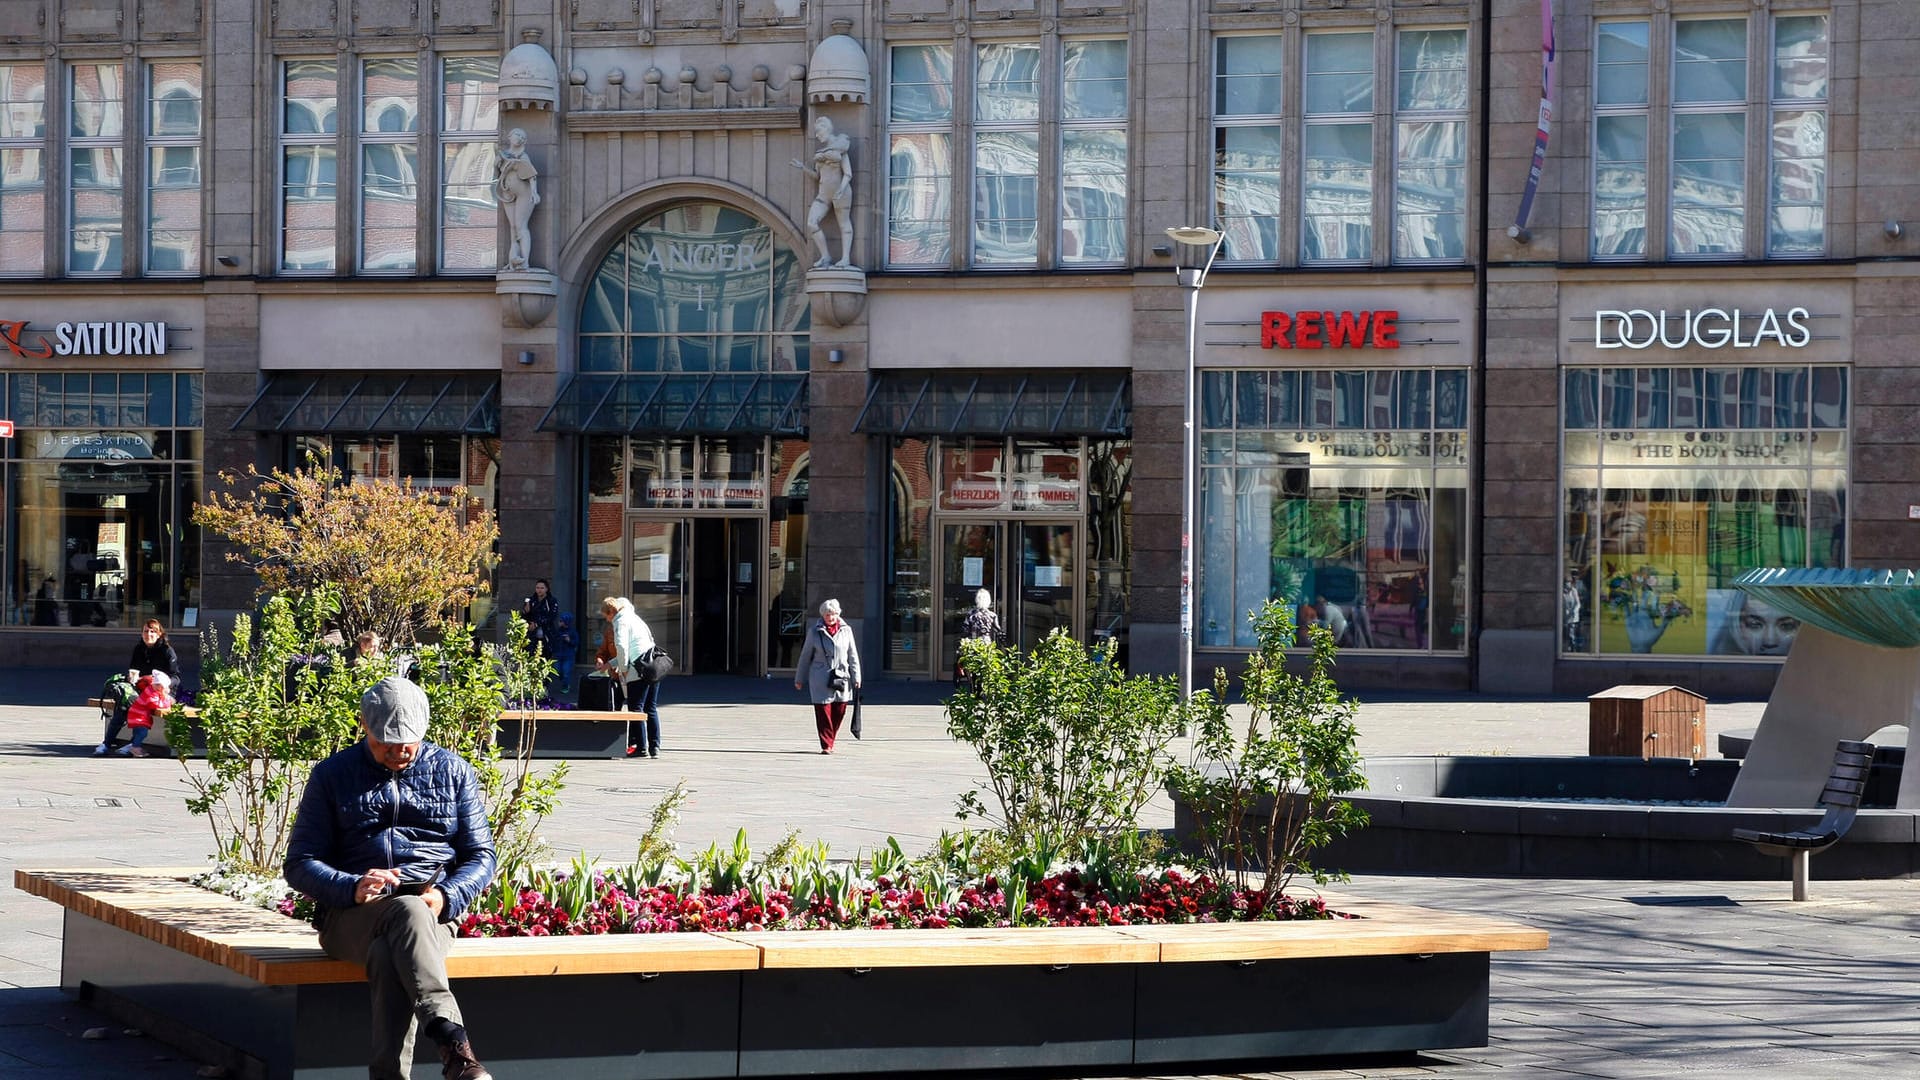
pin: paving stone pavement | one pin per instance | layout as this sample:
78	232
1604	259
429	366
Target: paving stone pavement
1667	980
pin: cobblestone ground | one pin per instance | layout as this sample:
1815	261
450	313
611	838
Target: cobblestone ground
1693	980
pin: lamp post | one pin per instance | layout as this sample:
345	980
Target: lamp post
1194	248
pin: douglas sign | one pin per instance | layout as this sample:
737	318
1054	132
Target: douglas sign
1709	328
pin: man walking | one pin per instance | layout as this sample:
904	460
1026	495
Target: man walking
391	839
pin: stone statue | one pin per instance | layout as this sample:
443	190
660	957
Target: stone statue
518	189
834	174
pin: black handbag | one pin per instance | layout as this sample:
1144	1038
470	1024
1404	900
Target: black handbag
655	665
855	726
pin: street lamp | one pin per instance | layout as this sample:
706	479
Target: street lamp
1194	248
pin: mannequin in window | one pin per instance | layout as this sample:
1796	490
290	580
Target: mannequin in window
832	169
518	189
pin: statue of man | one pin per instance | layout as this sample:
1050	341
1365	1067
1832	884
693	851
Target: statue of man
518	189
834	174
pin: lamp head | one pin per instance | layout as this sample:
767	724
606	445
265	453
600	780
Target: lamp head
1194	248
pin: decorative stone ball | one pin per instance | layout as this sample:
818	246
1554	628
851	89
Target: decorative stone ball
577	76
687	74
760	73
653	76
616	77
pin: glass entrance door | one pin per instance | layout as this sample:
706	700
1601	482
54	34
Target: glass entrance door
696	581
1027	566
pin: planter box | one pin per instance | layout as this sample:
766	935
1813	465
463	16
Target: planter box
253	989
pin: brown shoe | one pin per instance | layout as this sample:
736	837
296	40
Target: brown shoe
456	1053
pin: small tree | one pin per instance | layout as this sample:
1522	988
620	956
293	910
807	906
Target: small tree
395	559
1270	796
1072	746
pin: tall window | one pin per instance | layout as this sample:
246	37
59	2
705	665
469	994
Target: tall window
310	96
920	156
173	167
1699	171
389	163
23	192
1093	152
469	126
1708	214
1430	144
1620	140
1006	154
1248	93
1336	211
96	106
1797	193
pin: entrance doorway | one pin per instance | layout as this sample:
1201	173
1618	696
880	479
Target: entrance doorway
1029	568
696	581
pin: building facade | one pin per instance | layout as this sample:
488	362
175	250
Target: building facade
732	307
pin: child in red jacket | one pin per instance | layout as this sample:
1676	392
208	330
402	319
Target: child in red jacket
155	699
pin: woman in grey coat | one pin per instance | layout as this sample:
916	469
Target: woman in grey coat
829	670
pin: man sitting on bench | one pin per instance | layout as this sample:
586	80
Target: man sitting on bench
392	840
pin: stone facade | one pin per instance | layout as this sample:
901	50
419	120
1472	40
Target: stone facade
657	102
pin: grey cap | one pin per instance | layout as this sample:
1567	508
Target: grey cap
395	711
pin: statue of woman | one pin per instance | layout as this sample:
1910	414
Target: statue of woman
518	189
834	174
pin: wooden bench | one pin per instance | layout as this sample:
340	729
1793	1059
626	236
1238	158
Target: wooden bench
569	733
176	960
1846	786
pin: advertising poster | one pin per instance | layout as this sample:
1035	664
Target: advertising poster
1653	576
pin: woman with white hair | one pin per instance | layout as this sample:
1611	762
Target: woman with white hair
981	622
829	670
632	641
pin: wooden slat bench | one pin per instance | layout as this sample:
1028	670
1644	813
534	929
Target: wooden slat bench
1396	979
569	733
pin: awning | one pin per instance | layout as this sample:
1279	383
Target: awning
681	402
422	403
953	403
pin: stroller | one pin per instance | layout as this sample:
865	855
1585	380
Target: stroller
116	696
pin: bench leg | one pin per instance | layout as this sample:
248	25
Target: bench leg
1802	863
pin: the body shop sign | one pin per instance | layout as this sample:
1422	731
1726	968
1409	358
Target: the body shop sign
28	342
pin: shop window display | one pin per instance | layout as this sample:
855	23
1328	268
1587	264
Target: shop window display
103	473
1341	494
1678	480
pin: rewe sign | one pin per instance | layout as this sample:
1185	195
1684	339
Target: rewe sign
1330	330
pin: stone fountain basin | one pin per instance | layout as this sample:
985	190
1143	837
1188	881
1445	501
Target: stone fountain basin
1593	817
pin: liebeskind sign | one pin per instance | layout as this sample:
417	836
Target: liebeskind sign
84	339
1330	330
1709	328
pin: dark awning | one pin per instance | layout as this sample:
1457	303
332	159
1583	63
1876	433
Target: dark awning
422	403
956	403
681	402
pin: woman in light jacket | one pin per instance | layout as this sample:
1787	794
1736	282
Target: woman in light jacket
829	654
631	641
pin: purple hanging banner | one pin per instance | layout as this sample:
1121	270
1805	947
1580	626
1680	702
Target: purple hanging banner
1546	119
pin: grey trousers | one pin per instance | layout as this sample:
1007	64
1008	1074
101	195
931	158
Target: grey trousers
404	949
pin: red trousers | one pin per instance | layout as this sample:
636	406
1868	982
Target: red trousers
827	718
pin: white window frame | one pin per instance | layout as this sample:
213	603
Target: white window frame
1776	105
1642	110
1310	120
73	142
1071	126
1431	116
450	136
1277	120
27	143
152	142
288	141
923	127
365	138
1740	108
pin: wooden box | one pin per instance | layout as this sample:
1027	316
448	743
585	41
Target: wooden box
1647	722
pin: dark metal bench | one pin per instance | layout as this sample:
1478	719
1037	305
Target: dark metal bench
1841	798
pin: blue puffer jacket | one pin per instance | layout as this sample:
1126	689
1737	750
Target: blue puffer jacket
356	815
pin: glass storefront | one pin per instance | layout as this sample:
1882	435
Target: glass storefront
1678	479
707	536
1342	494
1041	524
436	463
100	481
